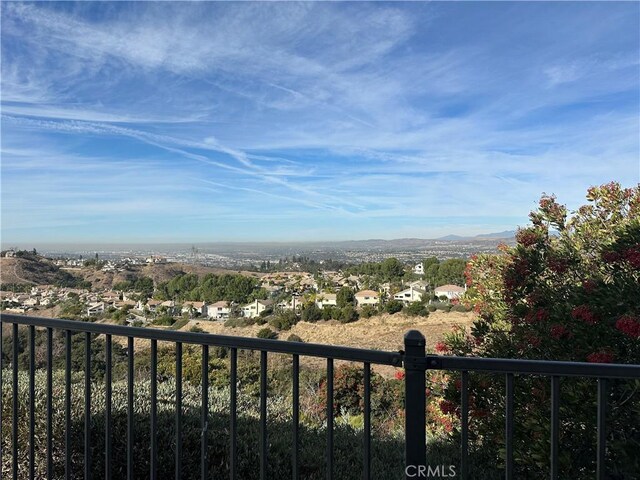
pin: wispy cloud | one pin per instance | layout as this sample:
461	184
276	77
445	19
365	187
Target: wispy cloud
352	119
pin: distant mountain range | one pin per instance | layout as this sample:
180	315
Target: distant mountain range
482	236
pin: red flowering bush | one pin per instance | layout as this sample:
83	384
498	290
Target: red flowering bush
568	290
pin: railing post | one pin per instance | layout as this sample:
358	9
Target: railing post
415	402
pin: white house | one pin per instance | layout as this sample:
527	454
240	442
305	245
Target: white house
255	308
95	308
151	304
294	304
411	294
170	306
449	291
367	297
326	300
419	269
194	307
218	310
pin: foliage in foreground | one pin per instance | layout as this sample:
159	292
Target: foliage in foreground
387	448
569	290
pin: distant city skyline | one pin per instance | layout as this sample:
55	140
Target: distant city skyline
215	122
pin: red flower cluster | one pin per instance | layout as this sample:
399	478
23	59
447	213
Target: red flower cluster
399	375
559	331
533	340
632	255
584	313
441	347
447	407
558	265
600	357
629	325
610	256
527	237
539	315
589	285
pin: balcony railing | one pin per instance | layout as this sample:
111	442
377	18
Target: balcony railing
413	359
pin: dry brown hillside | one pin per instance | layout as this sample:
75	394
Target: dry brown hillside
30	270
382	332
40	271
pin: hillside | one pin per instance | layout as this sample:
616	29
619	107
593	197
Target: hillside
382	332
37	270
34	270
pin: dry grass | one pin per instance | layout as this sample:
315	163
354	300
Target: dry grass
382	332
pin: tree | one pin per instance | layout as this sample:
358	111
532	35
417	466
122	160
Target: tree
284	320
267	333
311	313
568	291
348	314
392	268
393	306
345	297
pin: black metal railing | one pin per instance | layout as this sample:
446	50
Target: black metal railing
413	359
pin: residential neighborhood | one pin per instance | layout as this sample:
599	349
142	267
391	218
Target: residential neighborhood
367	288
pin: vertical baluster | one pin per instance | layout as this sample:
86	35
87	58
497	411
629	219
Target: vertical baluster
49	401
233	413
330	418
87	406
107	409
205	412
602	428
14	412
1	393
296	415
67	406
32	401
154	410
130	400
464	418
263	415
178	410
367	421
509	428
415	450
555	425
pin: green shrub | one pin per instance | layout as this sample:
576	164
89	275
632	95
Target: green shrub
444	306
368	311
284	320
239	322
416	309
348	314
164	320
311	313
431	308
387	451
567	291
393	306
330	312
179	324
460	308
294	338
267	333
196	329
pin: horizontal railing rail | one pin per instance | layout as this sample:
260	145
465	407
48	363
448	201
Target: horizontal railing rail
533	367
414	359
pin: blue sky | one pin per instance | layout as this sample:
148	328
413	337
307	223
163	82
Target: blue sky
194	122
